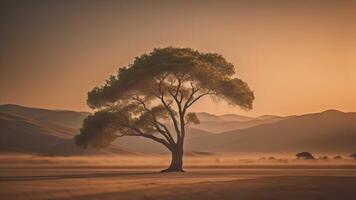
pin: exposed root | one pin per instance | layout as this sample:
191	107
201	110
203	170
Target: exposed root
172	170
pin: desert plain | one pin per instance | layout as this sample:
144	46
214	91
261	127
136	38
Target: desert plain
24	177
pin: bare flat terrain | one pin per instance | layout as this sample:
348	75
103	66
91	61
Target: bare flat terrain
109	178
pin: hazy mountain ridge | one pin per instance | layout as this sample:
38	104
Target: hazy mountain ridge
229	122
61	126
25	135
326	131
65	118
234	117
207	117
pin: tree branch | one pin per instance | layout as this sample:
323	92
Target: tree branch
168	108
166	133
179	105
152	137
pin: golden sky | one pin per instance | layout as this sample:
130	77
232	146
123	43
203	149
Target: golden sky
297	56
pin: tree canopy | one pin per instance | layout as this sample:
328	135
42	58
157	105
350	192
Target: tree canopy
156	88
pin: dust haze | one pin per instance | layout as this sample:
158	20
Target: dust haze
255	176
177	100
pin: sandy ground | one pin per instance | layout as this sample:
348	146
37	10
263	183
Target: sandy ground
35	179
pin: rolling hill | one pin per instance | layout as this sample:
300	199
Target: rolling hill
64	118
218	124
50	132
329	131
26	135
234	117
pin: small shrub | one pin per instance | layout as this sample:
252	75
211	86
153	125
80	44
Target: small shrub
305	155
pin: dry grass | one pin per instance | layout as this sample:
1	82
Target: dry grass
157	161
208	177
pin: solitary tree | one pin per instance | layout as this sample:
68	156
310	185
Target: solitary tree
158	89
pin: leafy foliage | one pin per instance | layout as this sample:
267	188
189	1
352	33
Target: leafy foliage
193	118
156	88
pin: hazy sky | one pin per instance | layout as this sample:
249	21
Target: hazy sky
298	56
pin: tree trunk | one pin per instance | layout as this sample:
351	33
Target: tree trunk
177	160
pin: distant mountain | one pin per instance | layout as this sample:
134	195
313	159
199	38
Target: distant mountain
24	135
234	117
39	135
329	131
50	132
269	117
218	124
70	119
207	117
